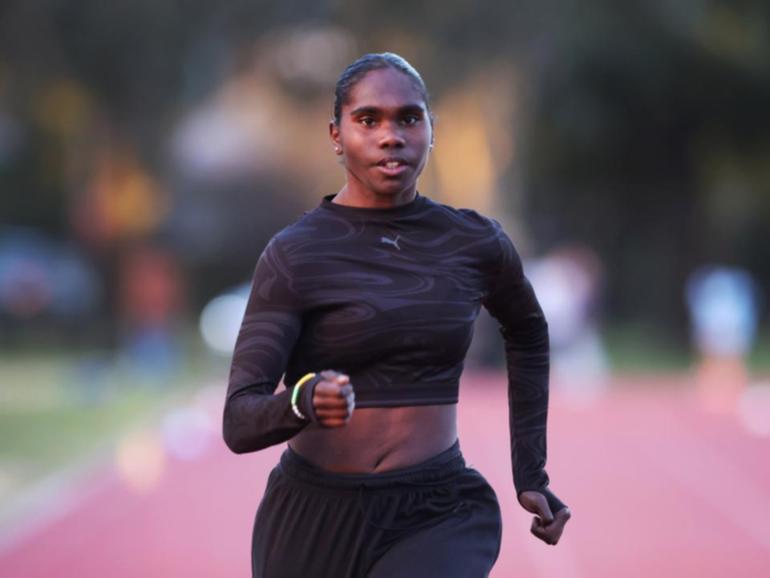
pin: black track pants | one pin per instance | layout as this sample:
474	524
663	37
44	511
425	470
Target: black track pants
437	519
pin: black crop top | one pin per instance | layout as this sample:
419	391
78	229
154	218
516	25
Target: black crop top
389	297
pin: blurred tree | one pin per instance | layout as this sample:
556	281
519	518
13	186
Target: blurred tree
646	129
641	127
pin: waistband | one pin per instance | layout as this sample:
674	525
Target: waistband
433	471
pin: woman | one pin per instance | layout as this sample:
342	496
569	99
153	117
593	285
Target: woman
367	304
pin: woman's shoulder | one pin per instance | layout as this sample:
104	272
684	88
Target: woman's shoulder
301	238
298	228
467	217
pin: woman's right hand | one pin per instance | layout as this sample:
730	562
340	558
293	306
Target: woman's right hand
333	399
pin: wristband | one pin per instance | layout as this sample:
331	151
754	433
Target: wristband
295	394
554	503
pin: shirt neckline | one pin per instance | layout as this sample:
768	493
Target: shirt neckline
374	212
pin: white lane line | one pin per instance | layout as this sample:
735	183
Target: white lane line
52	498
49	500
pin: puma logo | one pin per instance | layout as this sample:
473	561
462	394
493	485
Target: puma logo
393	242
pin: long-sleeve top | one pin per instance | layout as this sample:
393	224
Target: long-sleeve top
389	297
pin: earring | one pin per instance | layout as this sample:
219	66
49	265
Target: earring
338	149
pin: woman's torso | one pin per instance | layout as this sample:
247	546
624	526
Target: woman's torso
389	298
379	439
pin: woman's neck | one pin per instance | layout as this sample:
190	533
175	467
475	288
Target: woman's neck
353	198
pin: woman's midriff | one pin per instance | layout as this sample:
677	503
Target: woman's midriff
379	439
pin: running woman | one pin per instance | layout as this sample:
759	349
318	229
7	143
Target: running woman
365	306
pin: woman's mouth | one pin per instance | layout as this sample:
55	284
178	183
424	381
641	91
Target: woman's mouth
392	166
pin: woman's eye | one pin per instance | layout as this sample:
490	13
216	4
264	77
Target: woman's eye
366	120
411	119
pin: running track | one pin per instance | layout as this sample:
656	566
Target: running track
658	487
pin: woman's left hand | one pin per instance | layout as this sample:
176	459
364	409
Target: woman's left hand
545	525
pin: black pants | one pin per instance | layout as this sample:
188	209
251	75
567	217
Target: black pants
437	519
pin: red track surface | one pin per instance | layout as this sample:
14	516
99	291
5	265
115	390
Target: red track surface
658	487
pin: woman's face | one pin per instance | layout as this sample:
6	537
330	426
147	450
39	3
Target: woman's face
384	135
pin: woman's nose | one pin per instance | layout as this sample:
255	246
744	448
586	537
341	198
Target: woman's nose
391	137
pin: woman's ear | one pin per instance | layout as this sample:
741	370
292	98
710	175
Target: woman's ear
334	135
432	118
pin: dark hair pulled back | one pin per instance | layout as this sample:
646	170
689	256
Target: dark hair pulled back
368	62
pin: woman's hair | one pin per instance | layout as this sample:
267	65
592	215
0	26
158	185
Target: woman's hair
368	62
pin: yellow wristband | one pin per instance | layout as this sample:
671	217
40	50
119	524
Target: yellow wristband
295	394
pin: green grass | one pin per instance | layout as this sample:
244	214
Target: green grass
759	359
636	349
37	441
639	349
57	409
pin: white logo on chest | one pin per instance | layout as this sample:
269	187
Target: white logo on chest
393	242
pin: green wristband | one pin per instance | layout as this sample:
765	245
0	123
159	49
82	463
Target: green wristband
295	394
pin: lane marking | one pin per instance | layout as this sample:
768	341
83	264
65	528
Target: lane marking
51	499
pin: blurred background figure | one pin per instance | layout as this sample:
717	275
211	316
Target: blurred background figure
568	282
44	282
220	319
152	300
724	314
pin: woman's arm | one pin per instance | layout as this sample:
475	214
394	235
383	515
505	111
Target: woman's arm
512	302
255	418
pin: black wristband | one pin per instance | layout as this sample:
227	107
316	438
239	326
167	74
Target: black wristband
554	503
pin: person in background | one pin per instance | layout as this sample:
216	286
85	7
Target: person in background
724	315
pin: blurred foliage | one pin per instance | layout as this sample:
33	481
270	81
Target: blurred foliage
647	137
641	128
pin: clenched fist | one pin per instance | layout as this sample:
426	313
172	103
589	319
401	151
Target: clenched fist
333	399
545	525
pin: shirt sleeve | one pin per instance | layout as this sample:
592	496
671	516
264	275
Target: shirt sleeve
254	416
511	300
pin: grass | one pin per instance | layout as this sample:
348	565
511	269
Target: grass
637	349
57	409
759	359
50	437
